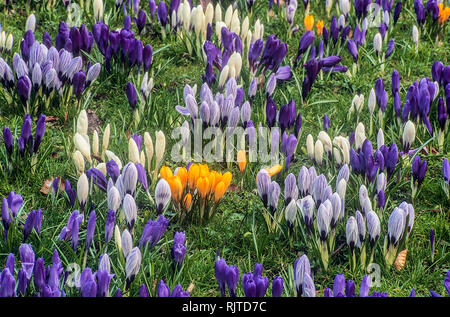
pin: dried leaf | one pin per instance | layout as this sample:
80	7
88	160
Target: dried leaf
401	260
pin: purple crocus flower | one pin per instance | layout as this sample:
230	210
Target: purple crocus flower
231	279
390	48
79	81
392	159
103	280
436	71
143	291
353	49
153	231
40	131
8	140
420	11
142	176
442	114
27	259
339	286
97	178
446	170
7	284
419	170
326	122
109	224
162	13
178	248
305	42
381	95
140	20
132	94
24	88
220	269
29	224
277	286
271	112
397	11
90	229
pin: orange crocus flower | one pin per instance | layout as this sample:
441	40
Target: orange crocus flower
183	175
203	187
309	22
193	174
219	192
319	27
242	161
187	201
226	179
165	172
175	187
274	170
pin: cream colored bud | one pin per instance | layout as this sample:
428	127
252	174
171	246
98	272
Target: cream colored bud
78	161
235	61
257	29
142	158
82	189
95	143
360	136
228	16
2	39
218	13
415	35
232	72
223	76
209	14
249	38
82	146
105	142
318	152
186	16
337	156
98	10
118	239
82	123
9	42
160	147
372	101
133	151
326	141
235	23
148	143
310	146
244	29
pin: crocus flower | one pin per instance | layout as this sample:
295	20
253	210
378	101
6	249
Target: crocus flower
390	48
178	248
132	95
232	278
153	231
419	170
29	224
277	286
162	13
326	122
133	264
302	268
109	224
220	269
90	229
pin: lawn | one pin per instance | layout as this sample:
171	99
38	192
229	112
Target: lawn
238	230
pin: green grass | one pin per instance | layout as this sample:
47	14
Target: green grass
238	230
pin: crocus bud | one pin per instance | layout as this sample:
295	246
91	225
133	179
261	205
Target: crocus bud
318	152
263	183
351	232
323	222
82	190
409	134
377	43
160	146
396	225
162	195
98	10
109	224
90	229
373	227
361	227
126	243
130	210
133	264
415	35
